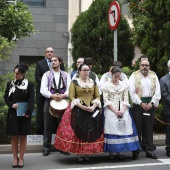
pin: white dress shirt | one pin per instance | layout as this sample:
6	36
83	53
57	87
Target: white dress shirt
44	84
146	92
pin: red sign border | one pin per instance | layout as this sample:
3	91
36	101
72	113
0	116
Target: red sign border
119	14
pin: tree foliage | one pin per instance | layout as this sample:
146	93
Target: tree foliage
5	47
151	21
15	23
92	37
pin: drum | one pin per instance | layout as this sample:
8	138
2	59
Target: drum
57	108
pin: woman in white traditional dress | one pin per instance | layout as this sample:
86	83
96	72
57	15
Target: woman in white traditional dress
120	133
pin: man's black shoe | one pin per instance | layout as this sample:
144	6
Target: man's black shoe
168	154
135	157
65	153
167	151
45	152
151	155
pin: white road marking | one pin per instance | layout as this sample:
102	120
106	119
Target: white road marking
165	161
162	162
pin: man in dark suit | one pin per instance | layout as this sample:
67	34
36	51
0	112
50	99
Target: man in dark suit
41	67
165	92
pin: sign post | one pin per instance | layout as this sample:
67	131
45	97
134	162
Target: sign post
113	21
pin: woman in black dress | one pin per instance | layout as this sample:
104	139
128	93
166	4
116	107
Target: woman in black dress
18	127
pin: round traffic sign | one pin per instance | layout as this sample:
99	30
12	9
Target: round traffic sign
114	15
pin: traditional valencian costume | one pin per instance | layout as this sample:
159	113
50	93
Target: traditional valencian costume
145	89
52	82
119	133
80	132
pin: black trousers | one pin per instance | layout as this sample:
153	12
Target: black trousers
40	116
50	125
167	120
144	123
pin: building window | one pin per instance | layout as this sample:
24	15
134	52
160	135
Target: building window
34	2
30	59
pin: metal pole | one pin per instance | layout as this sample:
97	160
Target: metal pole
115	45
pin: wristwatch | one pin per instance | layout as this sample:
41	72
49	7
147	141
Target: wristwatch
152	103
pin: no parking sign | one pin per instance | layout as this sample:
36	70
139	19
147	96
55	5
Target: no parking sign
113	21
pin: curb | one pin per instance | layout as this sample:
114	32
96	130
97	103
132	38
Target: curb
6	149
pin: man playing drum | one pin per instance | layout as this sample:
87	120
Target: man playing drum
54	87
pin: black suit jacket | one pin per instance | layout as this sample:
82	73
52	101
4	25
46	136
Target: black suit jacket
165	92
41	68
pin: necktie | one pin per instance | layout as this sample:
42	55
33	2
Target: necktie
49	64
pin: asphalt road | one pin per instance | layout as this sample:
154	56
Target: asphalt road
58	161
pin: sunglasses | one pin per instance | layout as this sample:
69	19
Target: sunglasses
144	65
49	51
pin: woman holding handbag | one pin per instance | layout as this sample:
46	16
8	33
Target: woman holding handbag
18	127
80	130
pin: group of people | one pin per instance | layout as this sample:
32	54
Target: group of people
89	125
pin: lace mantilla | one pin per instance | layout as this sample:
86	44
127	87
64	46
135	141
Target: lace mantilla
91	84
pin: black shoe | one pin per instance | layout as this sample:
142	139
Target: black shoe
120	157
151	155
168	154
16	165
65	153
167	151
45	152
21	166
135	157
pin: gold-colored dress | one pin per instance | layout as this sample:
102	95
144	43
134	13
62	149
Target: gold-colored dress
66	136
79	93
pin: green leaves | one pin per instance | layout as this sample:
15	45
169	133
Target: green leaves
151	20
5	47
15	21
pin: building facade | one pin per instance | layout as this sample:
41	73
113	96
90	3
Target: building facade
50	18
53	19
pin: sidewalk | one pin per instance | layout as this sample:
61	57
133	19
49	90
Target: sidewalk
159	140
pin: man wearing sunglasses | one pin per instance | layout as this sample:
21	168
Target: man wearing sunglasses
145	94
